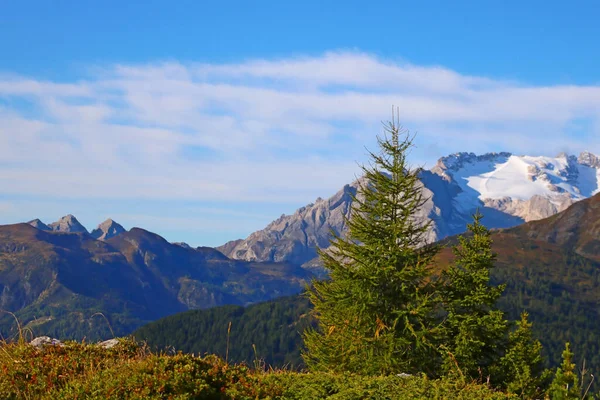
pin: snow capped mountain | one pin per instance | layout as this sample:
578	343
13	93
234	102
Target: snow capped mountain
507	189
512	183
107	229
522	177
68	223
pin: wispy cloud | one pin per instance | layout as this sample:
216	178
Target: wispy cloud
284	130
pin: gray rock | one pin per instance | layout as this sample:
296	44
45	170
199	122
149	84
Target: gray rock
68	223
109	344
589	160
295	238
36	223
107	229
42	341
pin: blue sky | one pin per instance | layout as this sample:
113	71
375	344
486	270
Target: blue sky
204	121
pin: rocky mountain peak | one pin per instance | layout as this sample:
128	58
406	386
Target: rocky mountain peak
36	223
588	159
456	161
107	229
295	238
507	189
68	223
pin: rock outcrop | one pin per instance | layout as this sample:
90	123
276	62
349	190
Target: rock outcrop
68	223
42	341
109	344
107	229
295	238
36	223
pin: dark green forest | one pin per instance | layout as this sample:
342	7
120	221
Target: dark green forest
561	309
268	332
559	314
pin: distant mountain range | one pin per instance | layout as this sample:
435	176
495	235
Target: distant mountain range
56	277
69	223
506	188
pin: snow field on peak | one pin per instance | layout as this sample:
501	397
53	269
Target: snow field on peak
521	178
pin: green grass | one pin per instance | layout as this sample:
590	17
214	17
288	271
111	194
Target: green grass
132	371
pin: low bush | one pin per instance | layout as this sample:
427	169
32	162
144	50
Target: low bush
131	371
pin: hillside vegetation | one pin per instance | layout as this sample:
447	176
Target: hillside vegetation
129	371
269	331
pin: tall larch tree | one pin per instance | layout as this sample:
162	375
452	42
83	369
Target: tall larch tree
376	313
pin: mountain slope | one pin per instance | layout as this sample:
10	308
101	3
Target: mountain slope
577	229
295	238
551	268
56	281
507	189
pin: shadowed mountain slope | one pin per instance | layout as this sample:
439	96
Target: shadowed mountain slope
56	281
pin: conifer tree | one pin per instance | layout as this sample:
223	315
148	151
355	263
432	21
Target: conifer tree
565	384
376	312
474	329
521	369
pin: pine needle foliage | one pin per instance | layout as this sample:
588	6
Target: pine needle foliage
521	368
376	313
474	329
565	384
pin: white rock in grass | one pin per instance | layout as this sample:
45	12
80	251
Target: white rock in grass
109	344
45	341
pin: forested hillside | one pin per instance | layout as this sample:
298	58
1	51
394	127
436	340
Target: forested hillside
268	331
545	275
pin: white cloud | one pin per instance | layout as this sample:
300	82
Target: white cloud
285	130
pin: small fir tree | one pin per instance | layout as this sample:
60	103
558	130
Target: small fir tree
474	328
565	385
376	312
521	369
